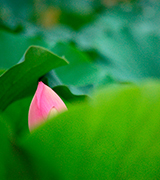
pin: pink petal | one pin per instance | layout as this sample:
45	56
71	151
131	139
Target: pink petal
43	101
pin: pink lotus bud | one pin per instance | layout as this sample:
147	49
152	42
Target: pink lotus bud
45	104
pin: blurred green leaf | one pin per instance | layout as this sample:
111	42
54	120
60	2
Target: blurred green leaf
18	165
128	40
81	71
70	93
12	47
21	80
5	147
75	20
2	71
115	137
17	116
14	163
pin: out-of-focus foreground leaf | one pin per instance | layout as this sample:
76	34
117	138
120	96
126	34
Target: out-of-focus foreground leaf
20	80
14	163
115	137
5	149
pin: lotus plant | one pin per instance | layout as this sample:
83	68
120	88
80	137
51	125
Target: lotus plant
45	104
